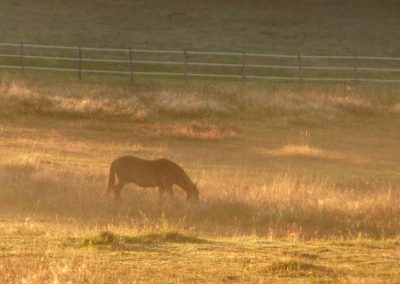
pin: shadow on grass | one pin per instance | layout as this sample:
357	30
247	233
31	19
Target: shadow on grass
149	241
299	268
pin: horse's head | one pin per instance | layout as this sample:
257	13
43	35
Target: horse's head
193	194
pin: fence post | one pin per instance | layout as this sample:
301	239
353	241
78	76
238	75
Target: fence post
185	64
243	66
355	68
80	63
300	69
131	64
22	63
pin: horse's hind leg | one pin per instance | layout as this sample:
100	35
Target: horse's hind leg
117	189
108	190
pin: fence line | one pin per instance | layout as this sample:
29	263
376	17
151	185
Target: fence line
243	68
197	52
199	63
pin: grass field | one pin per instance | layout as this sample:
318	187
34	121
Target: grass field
364	27
298	182
38	252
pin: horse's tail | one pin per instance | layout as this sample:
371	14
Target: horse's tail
111	180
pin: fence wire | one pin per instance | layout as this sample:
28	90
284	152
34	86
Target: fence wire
187	64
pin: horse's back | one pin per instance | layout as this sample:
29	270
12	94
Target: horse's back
128	160
174	171
133	169
165	162
131	166
167	166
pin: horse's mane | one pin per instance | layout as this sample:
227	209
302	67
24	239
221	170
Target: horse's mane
186	177
181	174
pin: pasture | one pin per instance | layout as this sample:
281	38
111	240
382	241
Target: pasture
299	182
342	27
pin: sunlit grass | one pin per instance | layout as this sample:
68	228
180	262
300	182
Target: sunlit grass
299	182
37	252
302	106
302	150
294	184
237	201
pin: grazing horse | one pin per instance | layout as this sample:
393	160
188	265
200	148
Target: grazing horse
161	173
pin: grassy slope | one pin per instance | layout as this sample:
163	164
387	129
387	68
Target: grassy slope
365	27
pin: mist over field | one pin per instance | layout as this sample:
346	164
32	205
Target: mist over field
298	182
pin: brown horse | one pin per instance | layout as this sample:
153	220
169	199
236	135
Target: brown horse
161	173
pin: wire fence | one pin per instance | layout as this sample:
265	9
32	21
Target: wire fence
186	64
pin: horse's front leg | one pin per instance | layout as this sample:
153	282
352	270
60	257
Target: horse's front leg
161	191
171	192
167	185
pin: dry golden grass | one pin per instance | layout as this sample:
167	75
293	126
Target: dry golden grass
50	149
293	187
307	104
239	202
37	252
299	182
204	132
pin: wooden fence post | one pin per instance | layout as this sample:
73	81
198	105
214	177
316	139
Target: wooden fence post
22	61
300	67
185	64
131	64
355	68
80	63
243	66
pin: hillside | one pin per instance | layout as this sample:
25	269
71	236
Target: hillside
365	27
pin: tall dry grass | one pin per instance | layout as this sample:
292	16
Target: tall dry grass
53	174
231	202
302	104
